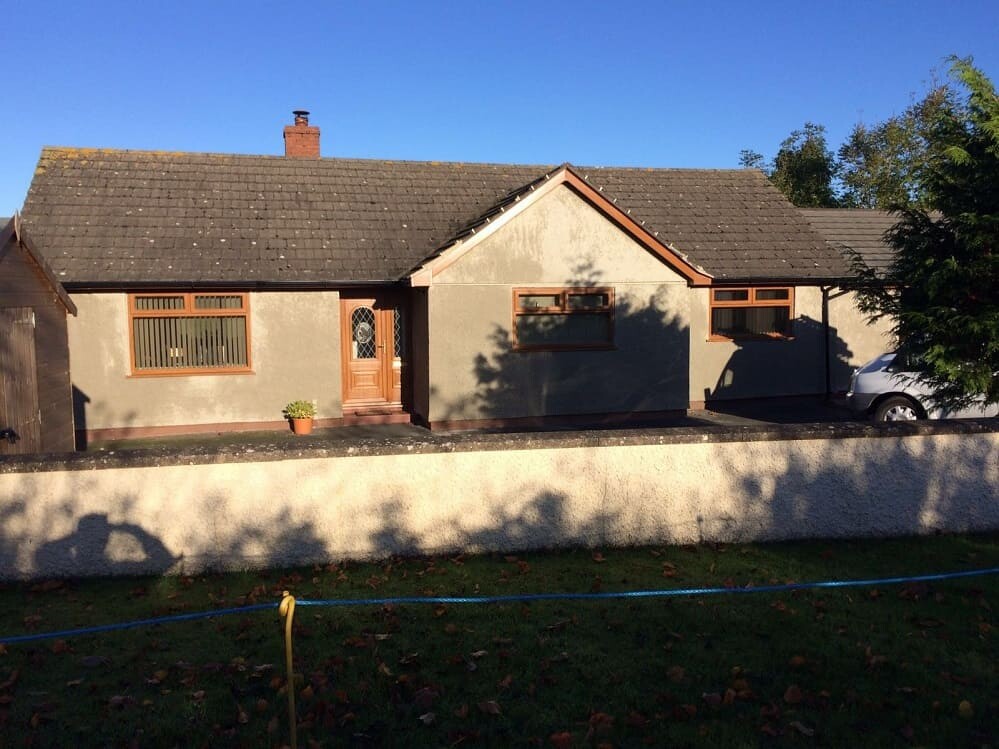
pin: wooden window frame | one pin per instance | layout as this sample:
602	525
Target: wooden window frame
189	310
563	293
750	301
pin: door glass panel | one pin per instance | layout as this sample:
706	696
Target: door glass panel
399	333
362	333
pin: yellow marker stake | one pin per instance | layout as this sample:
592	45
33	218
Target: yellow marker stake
287	610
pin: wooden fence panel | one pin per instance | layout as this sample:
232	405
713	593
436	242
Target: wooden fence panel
18	381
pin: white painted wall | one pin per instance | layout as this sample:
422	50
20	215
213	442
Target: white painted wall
284	512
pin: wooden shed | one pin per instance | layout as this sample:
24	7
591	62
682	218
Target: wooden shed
36	400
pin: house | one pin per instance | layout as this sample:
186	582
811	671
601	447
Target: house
36	406
212	289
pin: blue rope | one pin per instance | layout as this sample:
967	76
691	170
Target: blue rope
518	598
527	597
137	623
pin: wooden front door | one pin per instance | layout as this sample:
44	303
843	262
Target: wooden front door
20	419
373	332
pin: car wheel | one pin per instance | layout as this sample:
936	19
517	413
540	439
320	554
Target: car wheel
897	408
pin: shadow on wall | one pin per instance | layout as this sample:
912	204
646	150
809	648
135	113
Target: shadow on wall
646	370
80	401
83	405
546	520
878	487
99	547
751	491
761	368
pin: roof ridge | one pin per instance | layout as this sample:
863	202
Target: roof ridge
549	167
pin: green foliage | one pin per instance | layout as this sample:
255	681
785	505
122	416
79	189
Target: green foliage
881	166
942	290
749	159
804	168
300	410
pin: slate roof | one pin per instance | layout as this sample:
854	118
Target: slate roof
106	217
859	229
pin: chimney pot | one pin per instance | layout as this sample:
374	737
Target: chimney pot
301	140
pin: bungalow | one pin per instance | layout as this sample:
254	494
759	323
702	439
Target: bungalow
212	289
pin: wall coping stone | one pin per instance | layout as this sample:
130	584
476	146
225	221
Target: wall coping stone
309	448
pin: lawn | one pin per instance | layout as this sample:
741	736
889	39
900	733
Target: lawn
892	665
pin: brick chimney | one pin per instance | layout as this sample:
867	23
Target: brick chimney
301	141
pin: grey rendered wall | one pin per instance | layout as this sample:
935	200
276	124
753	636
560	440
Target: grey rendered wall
856	341
559	241
126	514
758	369
419	352
295	345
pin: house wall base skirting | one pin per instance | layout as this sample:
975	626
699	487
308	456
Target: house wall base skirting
575	420
189	510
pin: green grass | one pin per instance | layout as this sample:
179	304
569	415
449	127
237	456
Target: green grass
884	667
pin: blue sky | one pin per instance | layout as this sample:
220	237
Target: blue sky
597	83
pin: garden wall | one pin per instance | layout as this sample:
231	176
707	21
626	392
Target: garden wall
195	509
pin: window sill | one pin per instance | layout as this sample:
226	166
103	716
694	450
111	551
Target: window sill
740	339
566	347
189	373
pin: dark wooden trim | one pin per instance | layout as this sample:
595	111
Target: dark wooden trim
636	231
18	236
563	292
189	310
750	303
570	420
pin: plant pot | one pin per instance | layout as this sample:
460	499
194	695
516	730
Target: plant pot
302	426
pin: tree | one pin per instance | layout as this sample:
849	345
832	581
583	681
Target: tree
803	168
880	166
942	290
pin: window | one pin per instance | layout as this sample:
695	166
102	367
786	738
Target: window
563	319
189	333
751	313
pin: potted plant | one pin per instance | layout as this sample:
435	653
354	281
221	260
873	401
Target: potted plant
301	414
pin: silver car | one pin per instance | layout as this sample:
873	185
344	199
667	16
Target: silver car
885	389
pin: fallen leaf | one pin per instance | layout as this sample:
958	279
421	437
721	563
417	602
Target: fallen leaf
598	557
676	673
506	681
636	719
965	710
490	707
461	712
792	695
561	740
712	698
425	697
241	715
427	718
